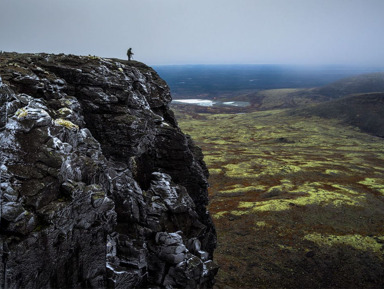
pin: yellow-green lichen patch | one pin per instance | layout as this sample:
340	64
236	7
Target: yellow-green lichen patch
262	224
215	171
359	242
21	112
272	205
240	170
347	189
219	214
94	57
286	185
239	213
66	123
315	195
98	195
285	247
212	158
374	183
333	172
64	111
276	191
243	189
279	169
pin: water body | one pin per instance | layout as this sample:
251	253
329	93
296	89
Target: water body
209	81
211	103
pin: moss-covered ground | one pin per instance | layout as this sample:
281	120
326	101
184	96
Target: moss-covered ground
298	202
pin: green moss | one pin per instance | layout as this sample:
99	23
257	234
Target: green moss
240	170
94	57
21	112
214	171
242	189
374	183
314	195
272	205
219	214
239	213
98	195
64	111
359	242
66	123
261	224
285	247
333	172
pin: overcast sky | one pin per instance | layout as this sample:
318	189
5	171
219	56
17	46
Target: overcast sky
200	31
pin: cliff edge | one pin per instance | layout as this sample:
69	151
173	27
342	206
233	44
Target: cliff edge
99	186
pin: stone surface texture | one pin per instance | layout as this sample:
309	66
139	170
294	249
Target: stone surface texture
99	186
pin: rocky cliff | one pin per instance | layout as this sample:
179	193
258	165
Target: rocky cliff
99	186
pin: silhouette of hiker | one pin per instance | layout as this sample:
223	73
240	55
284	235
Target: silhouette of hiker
129	54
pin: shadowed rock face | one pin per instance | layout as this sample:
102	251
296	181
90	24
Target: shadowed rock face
99	186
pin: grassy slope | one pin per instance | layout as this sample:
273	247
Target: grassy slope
298	201
365	111
364	83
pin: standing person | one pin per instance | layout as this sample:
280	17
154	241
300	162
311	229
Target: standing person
129	54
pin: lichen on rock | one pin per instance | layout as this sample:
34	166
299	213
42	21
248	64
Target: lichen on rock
66	123
99	186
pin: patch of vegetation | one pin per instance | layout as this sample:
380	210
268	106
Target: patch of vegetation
285	211
365	111
359	242
21	112
363	83
66	123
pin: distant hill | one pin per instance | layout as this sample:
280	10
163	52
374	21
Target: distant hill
357	100
365	111
371	82
281	98
285	98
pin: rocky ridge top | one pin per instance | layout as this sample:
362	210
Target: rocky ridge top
99	186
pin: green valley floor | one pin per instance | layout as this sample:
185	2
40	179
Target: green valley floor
298	202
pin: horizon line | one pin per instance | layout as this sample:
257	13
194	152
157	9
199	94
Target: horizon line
271	64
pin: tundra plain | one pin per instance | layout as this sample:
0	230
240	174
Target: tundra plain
297	200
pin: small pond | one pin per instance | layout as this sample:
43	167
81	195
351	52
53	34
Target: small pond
207	102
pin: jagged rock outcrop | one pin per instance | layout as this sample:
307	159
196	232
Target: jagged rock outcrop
99	186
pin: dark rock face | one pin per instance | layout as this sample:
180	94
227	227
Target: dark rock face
99	187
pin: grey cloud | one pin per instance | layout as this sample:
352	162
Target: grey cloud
209	31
